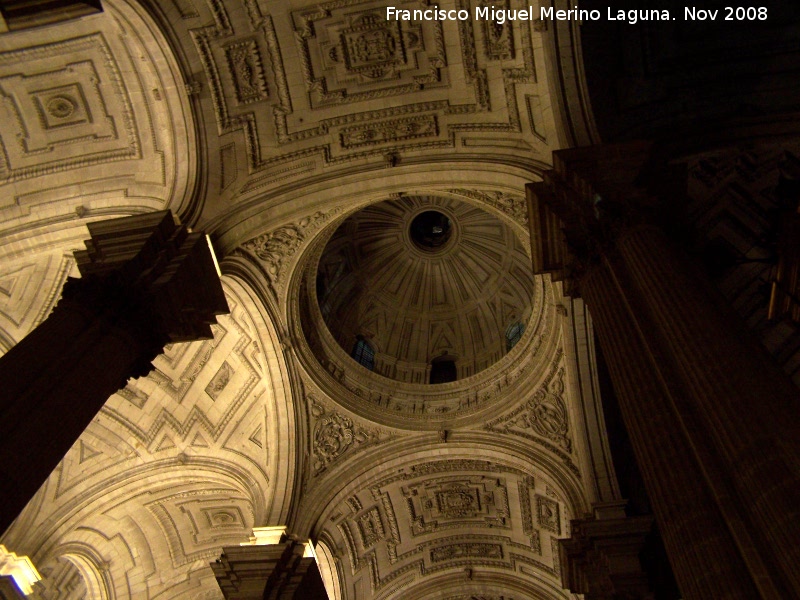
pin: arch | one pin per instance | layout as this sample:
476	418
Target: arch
285	415
329	568
329	490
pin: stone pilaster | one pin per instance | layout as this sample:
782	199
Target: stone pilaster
145	282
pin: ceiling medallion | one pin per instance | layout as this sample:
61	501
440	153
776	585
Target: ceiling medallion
61	107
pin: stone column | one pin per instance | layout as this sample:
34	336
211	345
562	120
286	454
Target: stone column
712	420
145	282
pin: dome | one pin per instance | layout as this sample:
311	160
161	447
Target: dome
420	284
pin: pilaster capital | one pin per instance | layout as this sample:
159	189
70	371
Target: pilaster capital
601	559
149	277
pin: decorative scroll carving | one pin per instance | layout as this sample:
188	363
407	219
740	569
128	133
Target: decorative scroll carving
274	247
512	205
335	435
395	130
545	414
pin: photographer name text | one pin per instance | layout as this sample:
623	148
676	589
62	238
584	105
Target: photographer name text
548	13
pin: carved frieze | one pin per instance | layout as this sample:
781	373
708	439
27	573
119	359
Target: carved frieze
451	552
395	130
515	206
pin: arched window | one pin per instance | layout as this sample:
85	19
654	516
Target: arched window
513	334
364	354
443	370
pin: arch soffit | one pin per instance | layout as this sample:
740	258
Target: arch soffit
403	504
367	468
284	418
473	182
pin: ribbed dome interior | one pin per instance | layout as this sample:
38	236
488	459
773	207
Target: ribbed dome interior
415	302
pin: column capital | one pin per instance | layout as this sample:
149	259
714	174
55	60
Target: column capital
601	559
155	265
271	565
591	197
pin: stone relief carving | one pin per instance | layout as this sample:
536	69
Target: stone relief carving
48	111
275	247
525	485
345	53
370	527
350	54
248	75
466	497
547	514
219	381
545	415
396	130
514	206
453	502
499	36
452	552
336	435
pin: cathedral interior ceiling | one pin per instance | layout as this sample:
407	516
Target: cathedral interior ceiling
94	122
300	92
271	124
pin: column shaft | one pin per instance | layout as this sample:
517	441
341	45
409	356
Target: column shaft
702	550
746	408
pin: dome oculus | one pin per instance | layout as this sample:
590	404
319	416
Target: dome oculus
430	230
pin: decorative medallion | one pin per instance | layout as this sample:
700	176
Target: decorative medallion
61	107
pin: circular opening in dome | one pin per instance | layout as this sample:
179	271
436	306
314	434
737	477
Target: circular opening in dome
430	230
